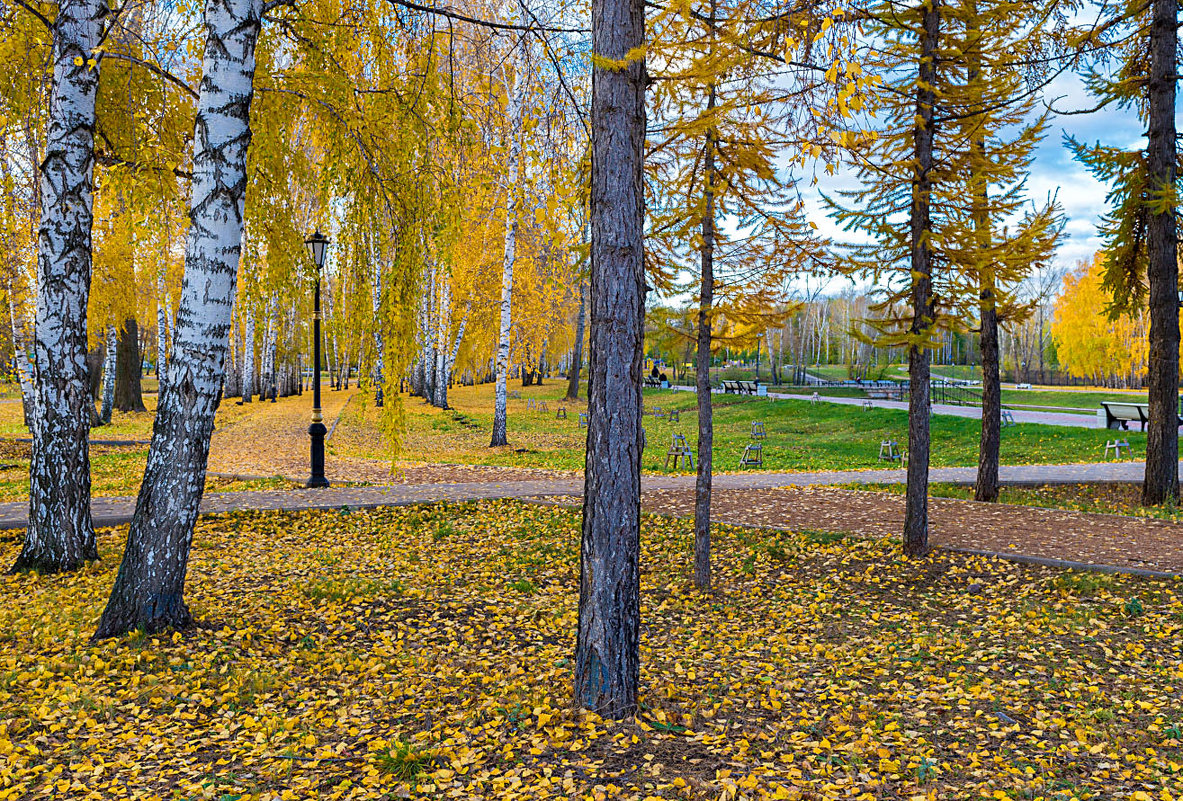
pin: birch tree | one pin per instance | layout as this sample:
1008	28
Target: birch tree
60	535
513	114
149	588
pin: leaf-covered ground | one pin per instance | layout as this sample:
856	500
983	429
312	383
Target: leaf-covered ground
425	652
113	471
1114	498
801	435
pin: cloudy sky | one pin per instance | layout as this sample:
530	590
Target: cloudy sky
1054	171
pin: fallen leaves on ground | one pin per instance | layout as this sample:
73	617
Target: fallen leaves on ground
425	652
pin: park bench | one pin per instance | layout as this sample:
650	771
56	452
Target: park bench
741	387
515	395
1119	414
758	431
561	414
1008	417
753	455
867	405
650	381
658	413
583	419
813	399
679	451
1116	445
531	403
542	406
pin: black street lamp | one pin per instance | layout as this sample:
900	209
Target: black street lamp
317	244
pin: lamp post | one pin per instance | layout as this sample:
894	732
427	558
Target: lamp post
317	244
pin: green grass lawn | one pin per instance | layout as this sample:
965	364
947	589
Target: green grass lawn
801	435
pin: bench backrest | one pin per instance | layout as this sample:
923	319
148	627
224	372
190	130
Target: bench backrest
1122	410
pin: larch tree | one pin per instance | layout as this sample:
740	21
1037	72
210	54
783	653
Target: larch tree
1140	230
997	236
724	112
901	163
60	536
607	648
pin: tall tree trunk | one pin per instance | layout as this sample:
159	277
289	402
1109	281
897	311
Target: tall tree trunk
923	312
443	333
450	363
149	589
379	376
607	656
161	322
248	357
513	154
110	367
24	357
577	351
60	535
129	396
1162	432
986	486
706	425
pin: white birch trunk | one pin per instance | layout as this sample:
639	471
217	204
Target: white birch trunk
443	333
161	326
379	370
514	113
149	589
248	357
268	389
109	377
60	535
23	355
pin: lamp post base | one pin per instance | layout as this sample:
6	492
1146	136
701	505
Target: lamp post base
317	432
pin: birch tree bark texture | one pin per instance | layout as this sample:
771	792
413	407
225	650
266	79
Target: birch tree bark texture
60	535
149	589
607	656
513	155
109	366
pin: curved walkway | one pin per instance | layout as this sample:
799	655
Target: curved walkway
973	412
784	500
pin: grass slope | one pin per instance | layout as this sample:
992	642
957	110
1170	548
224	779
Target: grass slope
801	436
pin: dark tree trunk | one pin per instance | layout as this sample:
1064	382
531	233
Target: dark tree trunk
149	589
706	426
577	352
923	312
129	397
60	535
986	487
607	655
94	373
94	370
1162	433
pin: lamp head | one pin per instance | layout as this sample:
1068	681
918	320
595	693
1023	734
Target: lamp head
317	243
